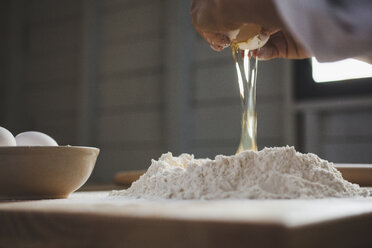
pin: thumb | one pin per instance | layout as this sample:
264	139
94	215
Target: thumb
269	51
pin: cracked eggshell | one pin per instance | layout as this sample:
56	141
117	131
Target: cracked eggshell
248	36
255	43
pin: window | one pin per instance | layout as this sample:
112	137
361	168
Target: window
346	78
341	70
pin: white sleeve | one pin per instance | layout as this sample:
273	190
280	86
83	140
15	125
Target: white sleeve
330	29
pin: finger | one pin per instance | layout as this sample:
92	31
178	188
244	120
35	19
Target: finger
281	45
269	31
203	17
214	38
206	16
269	51
217	39
217	48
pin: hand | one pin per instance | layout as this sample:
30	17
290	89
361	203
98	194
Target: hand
213	19
209	20
281	45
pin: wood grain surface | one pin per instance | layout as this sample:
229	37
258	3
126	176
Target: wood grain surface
356	173
95	220
128	177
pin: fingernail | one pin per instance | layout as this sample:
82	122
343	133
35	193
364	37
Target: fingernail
216	48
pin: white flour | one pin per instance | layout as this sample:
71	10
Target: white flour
272	173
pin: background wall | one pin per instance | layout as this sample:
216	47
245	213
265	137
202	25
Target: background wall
134	79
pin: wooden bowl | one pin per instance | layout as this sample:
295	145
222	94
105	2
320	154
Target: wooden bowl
41	172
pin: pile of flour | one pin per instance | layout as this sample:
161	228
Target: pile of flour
272	173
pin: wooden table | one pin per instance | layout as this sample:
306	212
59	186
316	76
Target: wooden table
91	219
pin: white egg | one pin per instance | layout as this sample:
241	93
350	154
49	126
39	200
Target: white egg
32	138
6	138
